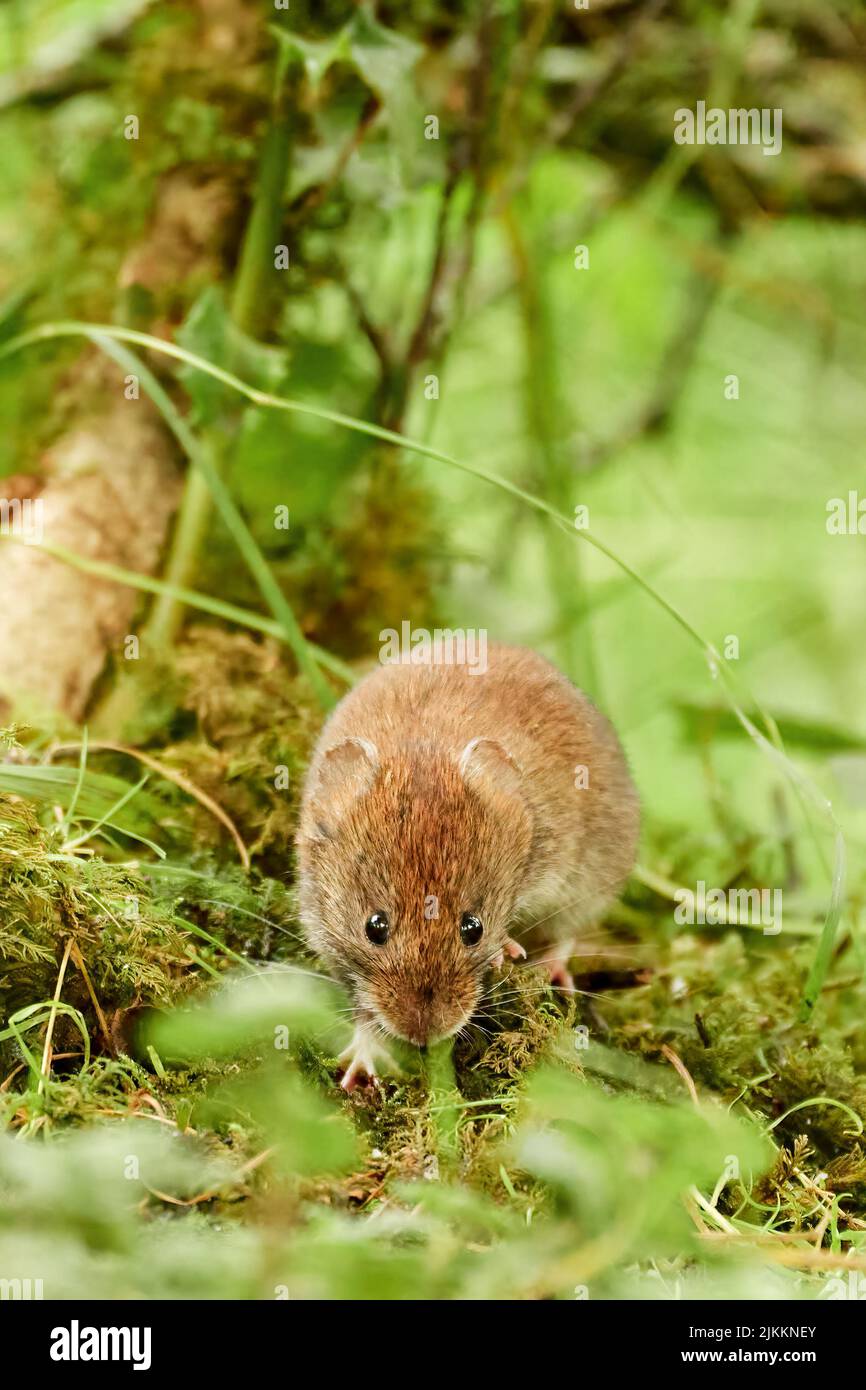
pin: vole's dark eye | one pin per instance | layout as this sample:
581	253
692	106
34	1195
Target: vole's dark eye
471	929
377	928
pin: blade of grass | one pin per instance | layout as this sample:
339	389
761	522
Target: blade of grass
82	768
98	793
33	1016
234	523
803	784
52	1015
179	780
822	1100
213	941
107	818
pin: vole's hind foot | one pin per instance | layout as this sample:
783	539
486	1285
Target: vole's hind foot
562	978
556	966
360	1060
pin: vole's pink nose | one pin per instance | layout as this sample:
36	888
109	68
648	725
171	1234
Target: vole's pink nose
419	1032
418	1015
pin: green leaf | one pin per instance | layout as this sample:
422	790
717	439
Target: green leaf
308	1134
209	332
623	1161
248	1011
316	55
39	38
383	59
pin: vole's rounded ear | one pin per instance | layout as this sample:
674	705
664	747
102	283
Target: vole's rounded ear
485	761
345	772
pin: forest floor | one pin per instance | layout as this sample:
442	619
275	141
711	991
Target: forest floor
674	1125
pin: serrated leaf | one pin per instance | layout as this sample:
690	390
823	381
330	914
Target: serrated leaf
383	59
209	332
317	55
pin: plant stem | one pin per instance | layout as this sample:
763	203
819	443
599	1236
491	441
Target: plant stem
566	575
164	620
254	296
200	459
46	1051
443	1106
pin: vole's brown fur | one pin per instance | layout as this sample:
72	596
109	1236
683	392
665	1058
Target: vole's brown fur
433	792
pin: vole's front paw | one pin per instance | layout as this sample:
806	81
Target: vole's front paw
513	950
360	1060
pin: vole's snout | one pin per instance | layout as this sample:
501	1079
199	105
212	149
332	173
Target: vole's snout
418	1024
423	1019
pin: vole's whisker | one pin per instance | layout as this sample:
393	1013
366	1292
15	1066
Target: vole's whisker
295	970
534	961
490	990
541	920
546	989
464	1031
245	911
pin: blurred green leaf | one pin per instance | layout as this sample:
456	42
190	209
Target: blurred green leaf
308	1134
92	1181
267	1008
382	58
39	38
619	1163
317	55
209	332
703	721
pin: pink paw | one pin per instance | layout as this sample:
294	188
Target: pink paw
359	1060
560	976
512	949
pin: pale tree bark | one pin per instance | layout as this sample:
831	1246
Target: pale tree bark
110	483
111	489
108	487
